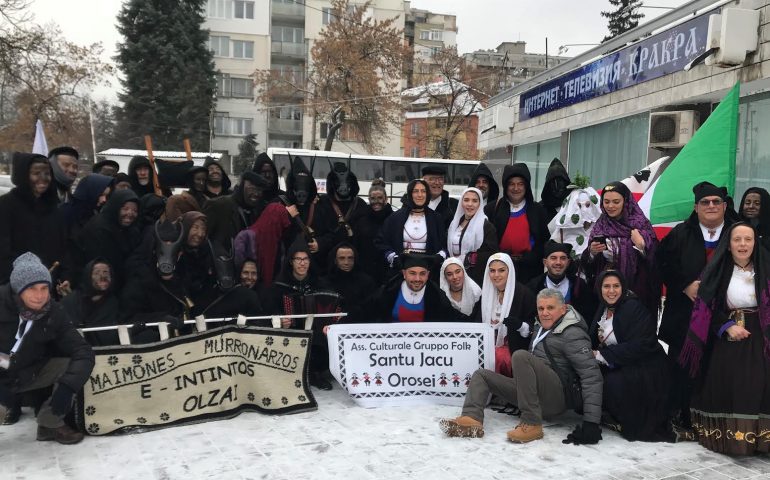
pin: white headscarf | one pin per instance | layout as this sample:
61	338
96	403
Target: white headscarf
489	297
474	231
576	218
471	290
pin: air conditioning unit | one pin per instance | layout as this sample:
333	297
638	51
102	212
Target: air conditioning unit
673	129
732	34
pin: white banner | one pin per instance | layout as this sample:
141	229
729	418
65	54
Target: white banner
409	363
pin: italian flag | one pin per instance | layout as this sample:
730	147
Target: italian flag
708	156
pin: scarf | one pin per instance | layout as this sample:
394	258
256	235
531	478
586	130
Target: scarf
471	290
472	235
711	297
59	174
619	230
489	297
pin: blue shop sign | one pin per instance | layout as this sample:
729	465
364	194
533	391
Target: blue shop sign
654	57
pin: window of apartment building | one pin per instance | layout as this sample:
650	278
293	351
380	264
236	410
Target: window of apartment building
224	125
219	46
435	35
243	9
415	129
288	34
414	152
219	9
242	87
326	15
435	50
289	73
243	49
286	113
441	123
440	146
240	126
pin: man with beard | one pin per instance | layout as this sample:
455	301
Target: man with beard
559	276
298	290
521	224
681	258
64	164
217	183
264	166
228	215
29	216
462	292
555	188
440	202
411	297
181	276
483	180
197	178
112	234
39	348
346	278
370	258
141	175
340	210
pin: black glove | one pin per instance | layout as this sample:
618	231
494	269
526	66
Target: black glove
587	434
61	400
174	322
396	263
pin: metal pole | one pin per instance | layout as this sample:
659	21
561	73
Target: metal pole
546	53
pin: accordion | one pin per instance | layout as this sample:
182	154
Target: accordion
312	304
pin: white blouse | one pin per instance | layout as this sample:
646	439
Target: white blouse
415	233
741	293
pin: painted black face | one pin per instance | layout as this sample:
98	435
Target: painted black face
302	184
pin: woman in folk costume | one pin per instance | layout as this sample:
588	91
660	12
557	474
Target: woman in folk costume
634	366
576	218
471	237
509	306
463	293
728	350
623	239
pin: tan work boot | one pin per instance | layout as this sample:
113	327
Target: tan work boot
462	427
525	432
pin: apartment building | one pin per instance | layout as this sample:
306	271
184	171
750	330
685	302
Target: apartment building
426	33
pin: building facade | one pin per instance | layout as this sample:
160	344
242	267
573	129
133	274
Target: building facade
594	111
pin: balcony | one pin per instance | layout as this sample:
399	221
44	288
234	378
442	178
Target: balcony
288	11
289	49
284	126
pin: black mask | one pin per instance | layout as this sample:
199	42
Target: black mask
342	177
167	252
302	183
223	266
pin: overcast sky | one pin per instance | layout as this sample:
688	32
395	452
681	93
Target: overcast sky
482	24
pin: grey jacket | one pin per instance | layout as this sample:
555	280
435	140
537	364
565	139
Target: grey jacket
570	347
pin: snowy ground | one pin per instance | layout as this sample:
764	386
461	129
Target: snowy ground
344	441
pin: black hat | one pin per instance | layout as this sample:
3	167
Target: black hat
706	189
434	169
64	151
409	260
552	246
103	163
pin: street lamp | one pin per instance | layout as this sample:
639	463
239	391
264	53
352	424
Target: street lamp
564	48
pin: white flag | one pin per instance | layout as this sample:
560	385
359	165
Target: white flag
40	146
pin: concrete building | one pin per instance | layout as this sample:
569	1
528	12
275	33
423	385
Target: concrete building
250	35
511	62
426	33
594	111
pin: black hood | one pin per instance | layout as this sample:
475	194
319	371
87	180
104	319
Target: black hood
285	276
333	181
262	159
555	188
763	224
22	163
151	207
191	173
111	209
483	171
226	182
300	172
136	162
518	170
254	179
332	260
86	285
86	196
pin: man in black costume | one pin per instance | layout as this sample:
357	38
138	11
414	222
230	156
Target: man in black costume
483	180
228	215
555	188
346	278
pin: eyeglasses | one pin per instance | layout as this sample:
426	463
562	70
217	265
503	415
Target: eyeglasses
706	202
301	259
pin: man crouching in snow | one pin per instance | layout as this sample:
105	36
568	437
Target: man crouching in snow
557	372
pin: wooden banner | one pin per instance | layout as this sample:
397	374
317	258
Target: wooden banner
408	363
212	375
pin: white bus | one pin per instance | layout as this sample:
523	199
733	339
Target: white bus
397	172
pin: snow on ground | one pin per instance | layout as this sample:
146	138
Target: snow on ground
343	441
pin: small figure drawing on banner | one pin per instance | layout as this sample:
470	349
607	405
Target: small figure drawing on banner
442	379
467	379
367	380
455	380
354	380
378	379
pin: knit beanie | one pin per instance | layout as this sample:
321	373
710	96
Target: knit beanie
27	271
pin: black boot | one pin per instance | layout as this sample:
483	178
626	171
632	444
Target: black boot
318	381
9	415
64	435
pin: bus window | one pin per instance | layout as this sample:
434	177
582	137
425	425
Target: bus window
282	164
399	171
366	170
321	167
462	174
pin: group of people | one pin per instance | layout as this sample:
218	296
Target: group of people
571	285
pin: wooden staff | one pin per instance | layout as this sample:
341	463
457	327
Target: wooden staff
155	180
187	149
